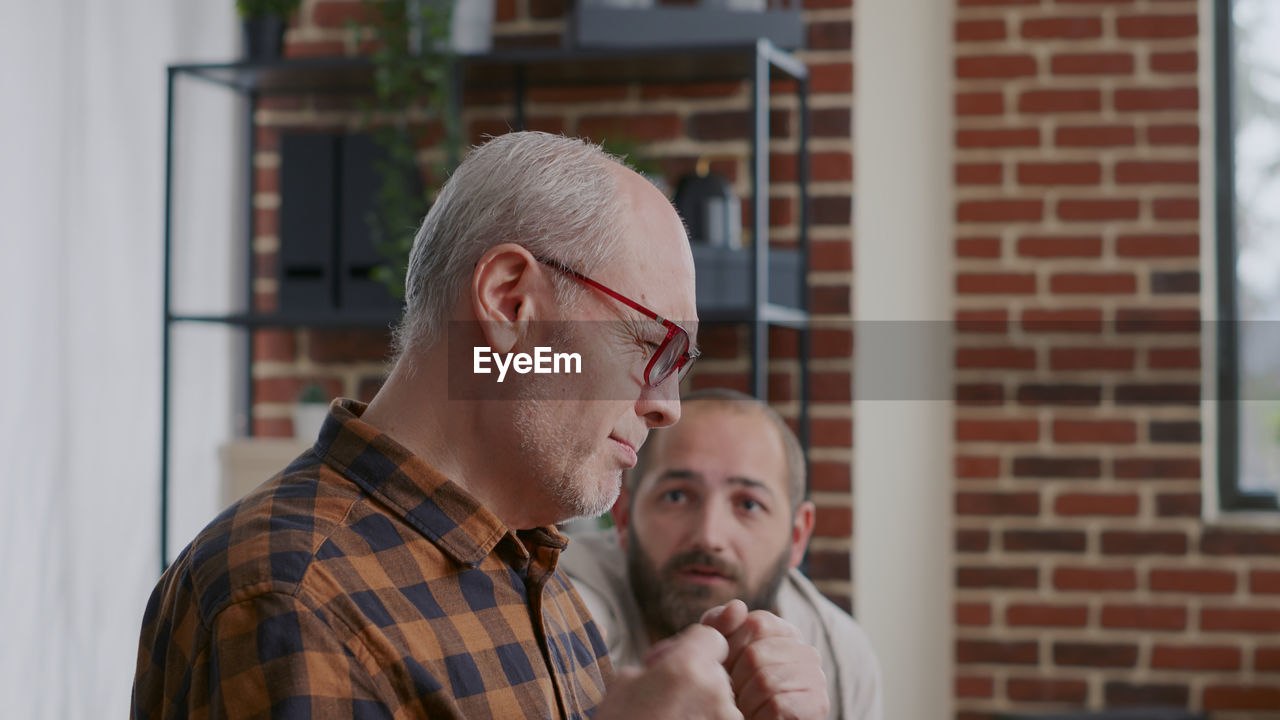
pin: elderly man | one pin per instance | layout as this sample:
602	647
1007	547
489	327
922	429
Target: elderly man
405	566
715	510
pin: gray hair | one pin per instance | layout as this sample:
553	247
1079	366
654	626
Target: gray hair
556	196
739	402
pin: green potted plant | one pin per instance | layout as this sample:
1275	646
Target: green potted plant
264	22
309	412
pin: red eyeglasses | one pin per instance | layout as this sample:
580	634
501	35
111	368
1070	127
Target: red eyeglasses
673	354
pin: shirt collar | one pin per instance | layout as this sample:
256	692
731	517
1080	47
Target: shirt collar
437	507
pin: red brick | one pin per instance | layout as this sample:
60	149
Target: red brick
998	138
834	77
294	49
1149	320
1146	246
1174	358
1189	580
979	247
1100	504
831	432
979	394
1040	690
273	427
830	476
1156	99
344	346
1091	210
1173	135
1174	431
1264	582
997	577
1157	394
829	300
1062	27
289	389
999	358
1267	659
654	126
972	467
982	321
1005	431
979	30
976	3
833	522
997	653
1059	101
1251	620
1056	467
1094	283
1080	654
657	91
995	284
979	103
1178	505
504	10
1044	541
1073	320
831	342
831	166
1241	697
1094	579
1092	64
831	122
1095	136
1125	694
1091	358
1157	26
1144	617
995	503
1067	394
968	686
274	346
1155	468
1043	173
1176	208
995	66
1046	615
335	14
979	174
999	210
1101	431
972	541
1174	62
974	614
836	35
1197	657
1060	246
830	255
1239	542
1157	173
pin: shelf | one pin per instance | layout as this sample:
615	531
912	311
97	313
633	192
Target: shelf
509	68
293	320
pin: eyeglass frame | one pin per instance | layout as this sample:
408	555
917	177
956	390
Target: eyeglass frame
682	363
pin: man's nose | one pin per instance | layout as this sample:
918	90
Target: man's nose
660	406
713	524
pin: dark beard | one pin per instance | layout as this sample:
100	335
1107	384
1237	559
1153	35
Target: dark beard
669	606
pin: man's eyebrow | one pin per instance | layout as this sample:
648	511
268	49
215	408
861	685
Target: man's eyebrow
684	474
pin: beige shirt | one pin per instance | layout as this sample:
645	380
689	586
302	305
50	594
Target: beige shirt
598	567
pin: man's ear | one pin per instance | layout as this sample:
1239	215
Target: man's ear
621	512
801	531
507	288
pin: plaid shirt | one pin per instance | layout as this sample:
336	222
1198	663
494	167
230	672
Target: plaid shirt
360	583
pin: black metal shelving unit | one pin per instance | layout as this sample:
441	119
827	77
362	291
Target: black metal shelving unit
517	71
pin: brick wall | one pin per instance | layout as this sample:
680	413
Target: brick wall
677	125
1085	576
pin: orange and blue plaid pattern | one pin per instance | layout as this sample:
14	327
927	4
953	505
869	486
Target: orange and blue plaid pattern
360	583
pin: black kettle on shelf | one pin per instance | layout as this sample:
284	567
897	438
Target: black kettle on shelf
710	208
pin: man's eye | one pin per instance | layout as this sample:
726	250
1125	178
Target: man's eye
751	505
673	496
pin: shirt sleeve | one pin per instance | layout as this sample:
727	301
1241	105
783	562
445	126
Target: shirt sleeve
271	656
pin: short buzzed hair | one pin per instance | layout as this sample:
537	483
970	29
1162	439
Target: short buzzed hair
738	402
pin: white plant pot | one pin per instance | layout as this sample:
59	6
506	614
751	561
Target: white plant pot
307	420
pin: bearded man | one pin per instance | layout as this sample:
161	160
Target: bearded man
715	510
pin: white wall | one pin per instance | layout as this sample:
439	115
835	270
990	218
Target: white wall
82	142
903	358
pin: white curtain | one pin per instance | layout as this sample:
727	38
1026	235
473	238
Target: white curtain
81	219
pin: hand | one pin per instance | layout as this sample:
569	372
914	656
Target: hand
775	674
683	677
